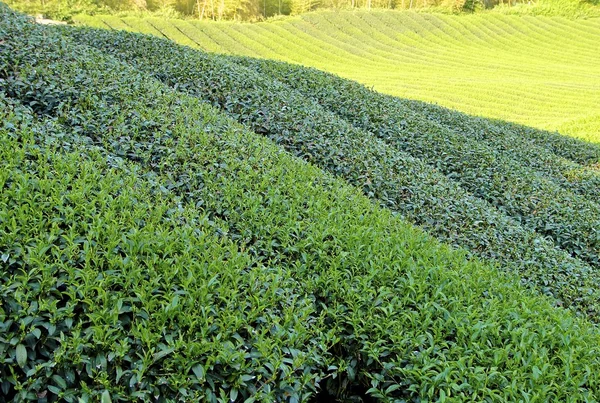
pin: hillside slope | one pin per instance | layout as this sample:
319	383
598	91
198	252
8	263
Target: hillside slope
538	71
520	199
153	248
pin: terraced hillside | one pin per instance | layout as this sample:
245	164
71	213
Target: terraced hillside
538	71
182	226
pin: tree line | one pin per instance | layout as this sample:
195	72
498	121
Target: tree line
246	10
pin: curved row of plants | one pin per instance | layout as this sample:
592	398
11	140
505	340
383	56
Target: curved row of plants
547	65
570	162
509	175
115	288
152	248
394	178
576	150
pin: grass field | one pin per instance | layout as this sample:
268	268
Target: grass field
177	225
538	71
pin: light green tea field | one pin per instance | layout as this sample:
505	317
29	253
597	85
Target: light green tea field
537	71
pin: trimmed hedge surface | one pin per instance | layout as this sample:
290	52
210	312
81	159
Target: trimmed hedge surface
154	249
535	70
408	185
497	166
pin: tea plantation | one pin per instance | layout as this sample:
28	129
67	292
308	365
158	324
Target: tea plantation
177	225
541	71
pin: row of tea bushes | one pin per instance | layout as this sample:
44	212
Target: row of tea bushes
510	174
154	249
397	180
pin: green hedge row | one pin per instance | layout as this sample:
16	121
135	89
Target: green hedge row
113	286
497	131
496	167
397	180
152	249
541	150
569	162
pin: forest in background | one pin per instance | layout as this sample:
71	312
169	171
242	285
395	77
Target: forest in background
257	10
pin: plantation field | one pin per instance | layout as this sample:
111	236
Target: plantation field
177	225
538	71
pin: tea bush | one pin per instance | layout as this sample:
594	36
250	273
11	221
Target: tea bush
398	180
498	165
531	146
153	249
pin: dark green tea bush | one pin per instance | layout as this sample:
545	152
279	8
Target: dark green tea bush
563	159
499	168
396	179
153	249
113	284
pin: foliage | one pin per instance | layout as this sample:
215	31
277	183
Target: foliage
567	8
385	169
152	248
59	10
498	166
537	71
